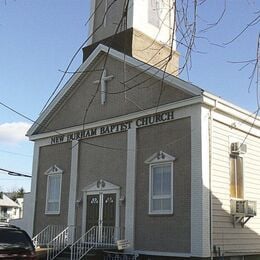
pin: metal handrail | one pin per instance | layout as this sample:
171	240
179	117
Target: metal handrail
58	244
96	237
79	248
47	235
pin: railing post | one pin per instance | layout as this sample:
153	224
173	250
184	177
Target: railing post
71	235
116	235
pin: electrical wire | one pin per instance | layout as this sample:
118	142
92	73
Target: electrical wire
14	173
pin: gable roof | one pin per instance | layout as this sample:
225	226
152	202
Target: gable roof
152	71
7	202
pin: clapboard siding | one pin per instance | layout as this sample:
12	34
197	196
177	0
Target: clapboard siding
225	236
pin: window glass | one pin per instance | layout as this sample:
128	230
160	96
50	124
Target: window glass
53	195
236	177
161	188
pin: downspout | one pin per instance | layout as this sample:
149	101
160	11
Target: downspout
212	109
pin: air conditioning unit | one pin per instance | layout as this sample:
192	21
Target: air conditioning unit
238	148
250	208
245	208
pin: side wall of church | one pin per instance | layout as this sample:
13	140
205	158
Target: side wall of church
227	237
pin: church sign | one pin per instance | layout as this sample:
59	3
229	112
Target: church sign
114	128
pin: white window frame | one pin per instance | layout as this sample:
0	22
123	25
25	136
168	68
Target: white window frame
53	171
236	157
160	159
236	139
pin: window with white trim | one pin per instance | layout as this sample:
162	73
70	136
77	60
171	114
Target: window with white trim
53	192
160	183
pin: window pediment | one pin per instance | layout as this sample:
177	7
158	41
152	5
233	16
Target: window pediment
101	185
53	170
160	157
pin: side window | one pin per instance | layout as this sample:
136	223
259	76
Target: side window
160	183
161	199
236	177
53	192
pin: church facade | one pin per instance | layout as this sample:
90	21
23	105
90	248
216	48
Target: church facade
142	156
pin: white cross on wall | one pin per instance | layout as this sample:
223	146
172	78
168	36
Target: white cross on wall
102	82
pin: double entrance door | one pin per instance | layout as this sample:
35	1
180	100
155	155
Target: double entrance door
101	212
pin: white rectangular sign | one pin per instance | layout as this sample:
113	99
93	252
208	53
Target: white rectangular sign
122	244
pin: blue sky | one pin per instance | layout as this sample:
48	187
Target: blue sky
39	37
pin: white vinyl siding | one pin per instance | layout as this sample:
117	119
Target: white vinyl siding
53	195
161	190
229	239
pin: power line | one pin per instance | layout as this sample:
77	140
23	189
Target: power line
126	4
26	117
20	154
16	112
13	173
76	53
87	107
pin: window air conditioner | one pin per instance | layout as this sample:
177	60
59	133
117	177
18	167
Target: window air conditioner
238	148
245	208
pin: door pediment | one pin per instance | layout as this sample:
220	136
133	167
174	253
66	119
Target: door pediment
100	185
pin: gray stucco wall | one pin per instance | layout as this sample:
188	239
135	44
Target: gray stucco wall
59	155
97	163
169	233
144	93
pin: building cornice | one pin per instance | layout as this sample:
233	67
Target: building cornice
221	105
115	120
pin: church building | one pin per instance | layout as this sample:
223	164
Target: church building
131	162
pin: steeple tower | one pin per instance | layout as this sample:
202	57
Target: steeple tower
140	28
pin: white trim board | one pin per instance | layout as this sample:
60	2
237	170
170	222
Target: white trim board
230	109
73	187
131	116
199	194
130	188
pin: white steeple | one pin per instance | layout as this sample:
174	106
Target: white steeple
155	18
145	31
